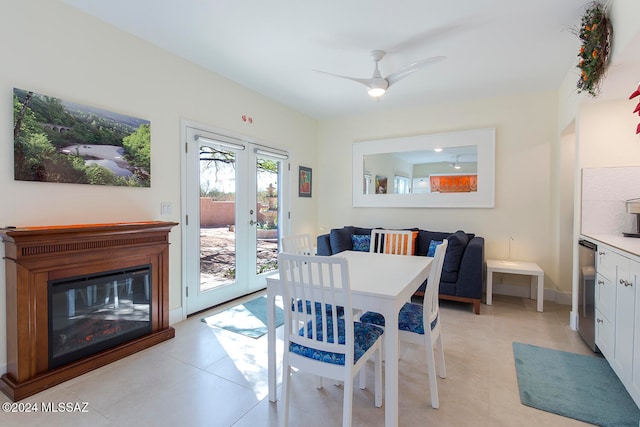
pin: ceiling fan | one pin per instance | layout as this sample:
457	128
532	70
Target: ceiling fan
377	84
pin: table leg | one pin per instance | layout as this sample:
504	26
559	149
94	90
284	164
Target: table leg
391	369
271	346
540	280
489	287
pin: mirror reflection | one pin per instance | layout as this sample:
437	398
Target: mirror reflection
437	170
450	169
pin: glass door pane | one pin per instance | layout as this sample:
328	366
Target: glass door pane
268	214
217	217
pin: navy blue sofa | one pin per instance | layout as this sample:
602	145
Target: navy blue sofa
463	270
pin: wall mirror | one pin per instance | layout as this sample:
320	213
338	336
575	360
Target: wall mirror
452	169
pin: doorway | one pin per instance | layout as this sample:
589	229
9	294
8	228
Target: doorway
235	194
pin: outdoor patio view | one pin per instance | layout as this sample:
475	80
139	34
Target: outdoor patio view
218	216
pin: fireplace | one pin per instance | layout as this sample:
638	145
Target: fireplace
92	313
80	297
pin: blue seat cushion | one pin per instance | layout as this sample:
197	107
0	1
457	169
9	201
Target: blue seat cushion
410	318
364	337
328	308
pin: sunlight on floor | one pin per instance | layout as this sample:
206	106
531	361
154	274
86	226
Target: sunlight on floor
249	355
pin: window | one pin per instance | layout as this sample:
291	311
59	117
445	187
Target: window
401	185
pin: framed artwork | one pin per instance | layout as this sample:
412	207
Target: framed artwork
61	141
304	182
381	184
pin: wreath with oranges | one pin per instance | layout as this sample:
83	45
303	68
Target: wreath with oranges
595	34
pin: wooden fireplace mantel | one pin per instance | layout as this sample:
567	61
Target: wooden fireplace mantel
36	255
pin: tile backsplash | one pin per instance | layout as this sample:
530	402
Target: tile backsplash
604	192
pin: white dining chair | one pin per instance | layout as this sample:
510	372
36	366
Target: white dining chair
327	345
395	242
300	244
420	324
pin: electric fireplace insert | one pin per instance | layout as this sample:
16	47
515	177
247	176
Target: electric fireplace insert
88	314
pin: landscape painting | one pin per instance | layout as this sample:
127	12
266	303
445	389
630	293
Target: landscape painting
60	141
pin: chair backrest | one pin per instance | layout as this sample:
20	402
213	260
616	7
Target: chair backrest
324	282
395	242
431	303
299	244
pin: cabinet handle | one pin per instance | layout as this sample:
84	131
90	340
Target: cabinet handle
600	282
601	253
625	282
599	320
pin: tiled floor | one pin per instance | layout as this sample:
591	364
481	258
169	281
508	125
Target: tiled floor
211	377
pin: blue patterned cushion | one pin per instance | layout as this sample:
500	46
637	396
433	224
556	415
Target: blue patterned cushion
361	242
409	318
364	337
432	247
328	308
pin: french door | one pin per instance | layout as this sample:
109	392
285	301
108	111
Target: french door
235	194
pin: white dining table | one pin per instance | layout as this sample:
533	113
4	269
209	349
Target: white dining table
379	282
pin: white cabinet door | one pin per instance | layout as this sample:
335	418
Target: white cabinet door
635	382
627	277
606	261
606	296
604	335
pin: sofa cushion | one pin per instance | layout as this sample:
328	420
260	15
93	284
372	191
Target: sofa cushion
361	242
457	244
424	239
340	238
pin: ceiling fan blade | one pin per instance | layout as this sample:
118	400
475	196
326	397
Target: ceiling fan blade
411	68
366	82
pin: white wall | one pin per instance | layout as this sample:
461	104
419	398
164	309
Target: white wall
526	131
55	50
607	134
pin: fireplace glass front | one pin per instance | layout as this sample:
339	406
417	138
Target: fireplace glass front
89	314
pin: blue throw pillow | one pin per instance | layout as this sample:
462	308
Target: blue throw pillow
457	244
432	247
361	242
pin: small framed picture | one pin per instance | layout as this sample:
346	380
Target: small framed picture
381	184
304	182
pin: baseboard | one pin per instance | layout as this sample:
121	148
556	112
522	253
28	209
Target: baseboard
176	315
573	321
524	292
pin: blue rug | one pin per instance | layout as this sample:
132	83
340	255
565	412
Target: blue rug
573	385
249	318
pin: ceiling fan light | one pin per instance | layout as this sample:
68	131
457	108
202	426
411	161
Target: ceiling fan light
376	92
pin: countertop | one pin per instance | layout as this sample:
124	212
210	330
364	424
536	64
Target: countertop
627	244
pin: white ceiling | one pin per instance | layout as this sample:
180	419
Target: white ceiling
493	47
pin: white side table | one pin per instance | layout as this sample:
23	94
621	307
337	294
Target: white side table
516	267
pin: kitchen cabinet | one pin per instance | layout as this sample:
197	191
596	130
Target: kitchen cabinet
617	308
606	261
626	279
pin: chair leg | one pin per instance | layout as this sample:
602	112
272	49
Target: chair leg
363	377
286	376
431	368
440	350
319	383
378	376
347	403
